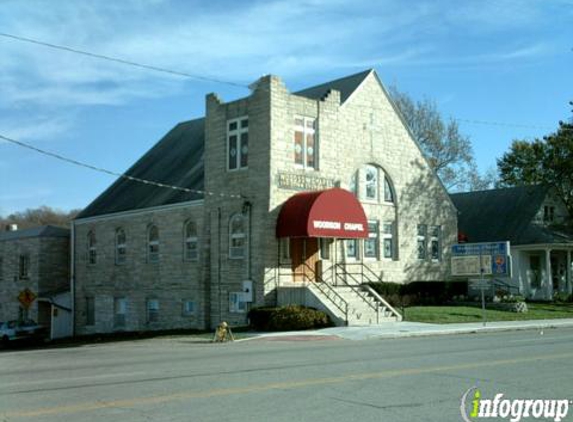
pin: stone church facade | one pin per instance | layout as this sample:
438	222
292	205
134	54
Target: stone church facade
148	257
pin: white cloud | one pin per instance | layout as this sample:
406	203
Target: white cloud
238	41
37	129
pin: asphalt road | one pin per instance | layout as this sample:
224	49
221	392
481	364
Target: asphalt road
174	379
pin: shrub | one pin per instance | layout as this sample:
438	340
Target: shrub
512	299
420	292
562	297
288	318
259	318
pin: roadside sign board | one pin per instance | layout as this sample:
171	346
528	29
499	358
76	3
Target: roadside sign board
479	284
26	297
487	259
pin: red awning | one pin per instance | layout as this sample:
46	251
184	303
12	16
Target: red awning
328	213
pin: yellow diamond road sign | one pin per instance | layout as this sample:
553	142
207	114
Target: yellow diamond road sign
26	297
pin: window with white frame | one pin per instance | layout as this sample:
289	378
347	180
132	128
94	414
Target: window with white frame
120	311
371	183
352	248
237	236
237	302
354	184
92	248
284	249
189	307
191	242
305	143
388	240
324	244
388	191
422	244
90	311
371	243
152	243
24	267
152	310
120	246
238	143
435	244
548	213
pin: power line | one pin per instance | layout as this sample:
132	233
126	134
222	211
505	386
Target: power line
113	173
220	81
122	61
520	125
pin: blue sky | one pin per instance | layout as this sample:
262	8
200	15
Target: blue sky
502	61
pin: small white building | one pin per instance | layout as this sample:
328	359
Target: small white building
533	220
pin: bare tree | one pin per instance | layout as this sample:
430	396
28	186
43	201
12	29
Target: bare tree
448	151
40	216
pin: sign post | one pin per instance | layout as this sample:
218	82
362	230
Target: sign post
489	260
26	298
482	288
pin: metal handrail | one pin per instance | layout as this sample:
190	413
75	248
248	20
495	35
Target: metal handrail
344	267
321	285
382	300
361	293
369	289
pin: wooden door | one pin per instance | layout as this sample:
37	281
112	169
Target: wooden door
304	256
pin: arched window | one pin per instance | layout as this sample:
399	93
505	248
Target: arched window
191	241
92	248
388	191
372	184
237	236
152	243
120	246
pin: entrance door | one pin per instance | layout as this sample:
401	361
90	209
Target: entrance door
304	256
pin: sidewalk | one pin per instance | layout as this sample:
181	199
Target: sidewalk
417	329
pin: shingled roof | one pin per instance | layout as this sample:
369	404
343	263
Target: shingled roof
40	231
505	214
346	86
175	160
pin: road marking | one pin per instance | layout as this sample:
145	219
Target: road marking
540	338
72	379
153	400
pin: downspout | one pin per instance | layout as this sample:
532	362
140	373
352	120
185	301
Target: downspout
73	276
247	206
219	263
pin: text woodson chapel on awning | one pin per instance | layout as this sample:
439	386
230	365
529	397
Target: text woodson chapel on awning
328	213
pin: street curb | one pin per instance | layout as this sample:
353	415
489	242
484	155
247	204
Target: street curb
431	330
476	330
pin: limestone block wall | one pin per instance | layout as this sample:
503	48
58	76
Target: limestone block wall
48	271
365	130
54	265
11	284
243	191
172	280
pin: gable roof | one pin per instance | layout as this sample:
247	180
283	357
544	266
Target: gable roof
177	160
346	86
40	231
505	214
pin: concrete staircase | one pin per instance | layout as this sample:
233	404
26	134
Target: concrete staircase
353	305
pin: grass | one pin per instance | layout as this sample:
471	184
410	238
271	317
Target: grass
455	314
